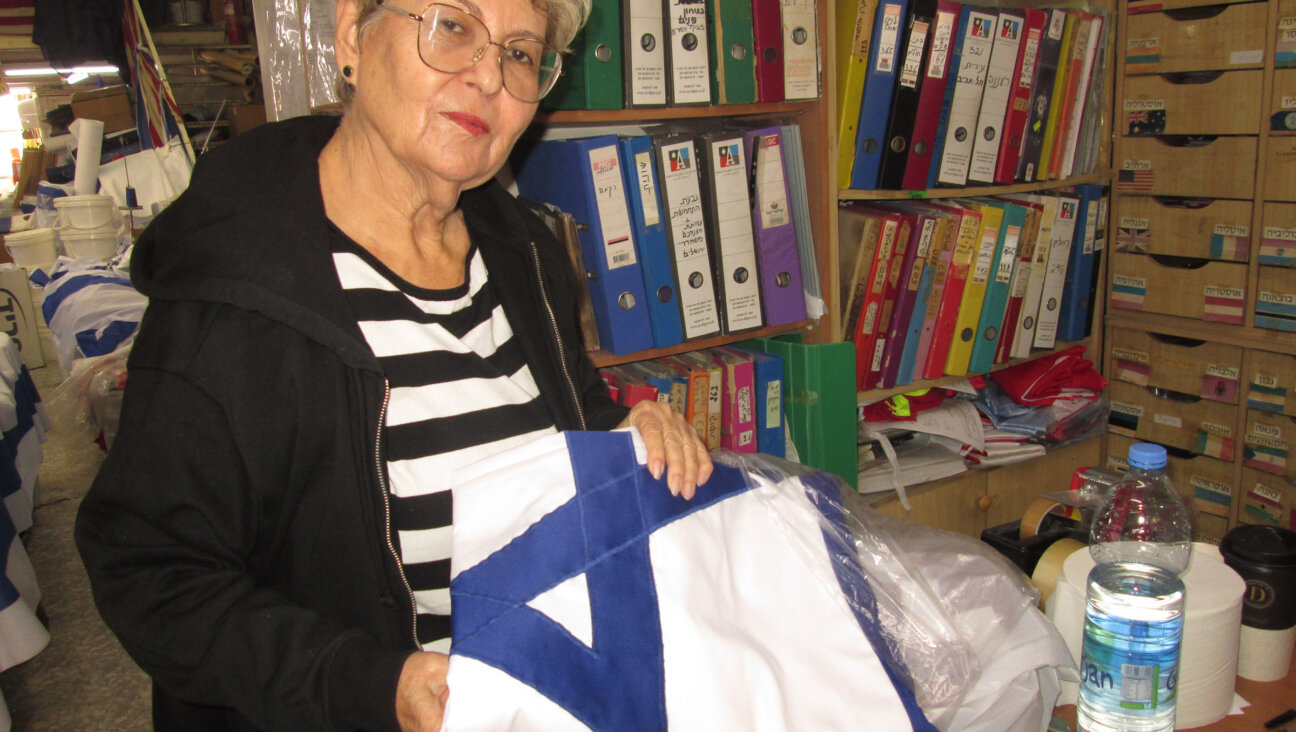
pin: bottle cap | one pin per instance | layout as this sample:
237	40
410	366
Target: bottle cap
1147	456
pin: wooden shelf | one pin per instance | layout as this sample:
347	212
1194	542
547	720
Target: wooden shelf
603	358
880	394
850	194
671	114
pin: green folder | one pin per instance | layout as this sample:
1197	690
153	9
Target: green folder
732	58
819	401
591	73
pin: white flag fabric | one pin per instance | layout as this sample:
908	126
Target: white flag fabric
586	597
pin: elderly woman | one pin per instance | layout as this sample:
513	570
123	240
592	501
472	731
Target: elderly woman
342	313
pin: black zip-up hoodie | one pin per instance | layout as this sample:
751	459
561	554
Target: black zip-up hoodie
237	537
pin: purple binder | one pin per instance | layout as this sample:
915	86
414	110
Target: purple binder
776	241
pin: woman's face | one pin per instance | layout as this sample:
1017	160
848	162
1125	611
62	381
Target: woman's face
454	127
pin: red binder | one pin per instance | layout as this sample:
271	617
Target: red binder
1014	127
931	95
767	39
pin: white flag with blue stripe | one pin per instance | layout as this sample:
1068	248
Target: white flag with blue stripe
587	597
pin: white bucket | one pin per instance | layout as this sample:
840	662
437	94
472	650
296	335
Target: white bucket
100	243
32	248
85	212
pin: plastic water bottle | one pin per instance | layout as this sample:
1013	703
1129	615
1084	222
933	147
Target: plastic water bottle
1140	539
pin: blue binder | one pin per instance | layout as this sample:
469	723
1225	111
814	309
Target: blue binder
646	218
951	80
583	177
1076	288
885	57
998	288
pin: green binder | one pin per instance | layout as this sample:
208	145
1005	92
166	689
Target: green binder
591	74
819	401
732	57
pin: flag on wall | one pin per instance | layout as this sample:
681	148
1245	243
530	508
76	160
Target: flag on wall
16	20
156	113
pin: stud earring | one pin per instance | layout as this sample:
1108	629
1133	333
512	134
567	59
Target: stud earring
346	71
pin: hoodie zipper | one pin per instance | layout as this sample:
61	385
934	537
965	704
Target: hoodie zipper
553	325
387	520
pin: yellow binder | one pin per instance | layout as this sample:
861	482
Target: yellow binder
969	315
854	31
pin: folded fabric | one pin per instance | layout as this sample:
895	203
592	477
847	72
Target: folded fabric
1062	375
92	309
586	597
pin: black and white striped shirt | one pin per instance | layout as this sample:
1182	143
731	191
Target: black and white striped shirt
460	390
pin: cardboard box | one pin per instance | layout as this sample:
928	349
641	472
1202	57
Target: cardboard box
244	117
1220	167
1271	383
1209	370
1207	480
1266	441
1157	43
1280	169
1278	234
1282	105
110	105
1225	105
1203	228
19	317
1267	499
1214	291
1201	427
1275	304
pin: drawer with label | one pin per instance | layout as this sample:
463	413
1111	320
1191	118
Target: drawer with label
1275	305
1199	103
1267	499
1199	288
1170	165
1196	39
1265	443
1206	228
1271	383
1209	370
1187	422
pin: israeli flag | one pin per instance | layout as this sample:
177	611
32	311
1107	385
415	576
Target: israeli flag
587	597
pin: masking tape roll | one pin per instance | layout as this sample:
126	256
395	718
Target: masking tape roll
1049	568
1035	513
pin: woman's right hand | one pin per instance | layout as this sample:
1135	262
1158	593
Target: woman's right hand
422	693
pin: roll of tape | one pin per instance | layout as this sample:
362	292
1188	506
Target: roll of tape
1035	513
1049	567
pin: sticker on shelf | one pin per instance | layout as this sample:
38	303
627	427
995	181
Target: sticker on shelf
1264	394
1133	235
1215	440
1278	246
1210	491
1264	452
1145	116
1253	56
1224	304
1128	293
1276	310
1231	241
1124	415
1143	51
1285	48
1220	383
1168	420
1135	176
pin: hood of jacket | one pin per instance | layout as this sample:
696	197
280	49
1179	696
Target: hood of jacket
250	231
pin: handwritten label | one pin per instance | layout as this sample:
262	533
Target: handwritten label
609	197
1267	431
1133	410
1223	372
1277	298
1144	44
1128	281
940	45
1281	233
1227	293
1197	481
913	55
890	34
1169	420
1267	493
1144	105
1136	165
1232	229
774	403
1129	222
1247	57
1217	429
1128	355
1287	102
1265	380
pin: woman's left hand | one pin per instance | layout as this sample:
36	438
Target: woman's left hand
673	447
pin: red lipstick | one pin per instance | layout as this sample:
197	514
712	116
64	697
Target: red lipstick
471	123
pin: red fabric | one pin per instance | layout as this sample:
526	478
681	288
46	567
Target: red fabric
883	411
1063	375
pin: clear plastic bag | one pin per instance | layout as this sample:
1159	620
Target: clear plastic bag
953	613
88	402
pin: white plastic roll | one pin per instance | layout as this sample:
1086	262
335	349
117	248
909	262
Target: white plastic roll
89	137
1265	655
1208	657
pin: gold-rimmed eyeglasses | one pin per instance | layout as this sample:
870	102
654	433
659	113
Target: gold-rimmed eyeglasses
452	40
